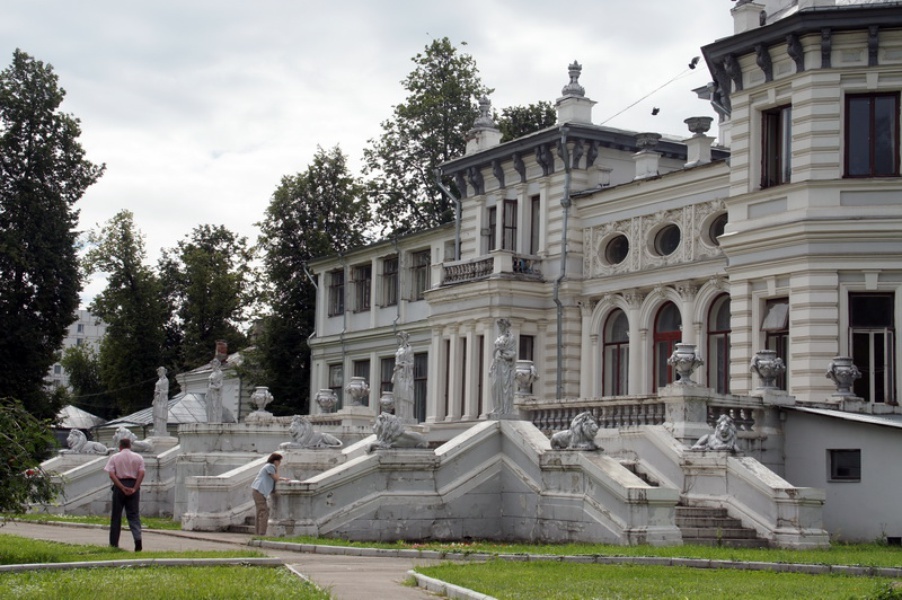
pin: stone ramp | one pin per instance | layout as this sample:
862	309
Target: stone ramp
345	577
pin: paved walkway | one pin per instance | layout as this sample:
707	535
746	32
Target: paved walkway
345	577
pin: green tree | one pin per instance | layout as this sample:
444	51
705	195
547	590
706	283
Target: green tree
25	442
82	364
318	212
43	173
209	281
517	121
133	307
429	128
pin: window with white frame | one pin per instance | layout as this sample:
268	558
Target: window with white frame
421	262
776	146
390	281
420	384
534	223
363	285
872	135
775	326
336	292
668	332
719	345
872	345
615	373
337	382
509	226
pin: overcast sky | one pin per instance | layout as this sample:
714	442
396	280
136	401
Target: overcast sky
198	108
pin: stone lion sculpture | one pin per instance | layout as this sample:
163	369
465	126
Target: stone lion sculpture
123	432
580	436
303	436
79	444
723	438
390	433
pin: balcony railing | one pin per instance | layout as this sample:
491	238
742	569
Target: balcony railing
499	262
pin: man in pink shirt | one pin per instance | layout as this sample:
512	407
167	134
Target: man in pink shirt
126	471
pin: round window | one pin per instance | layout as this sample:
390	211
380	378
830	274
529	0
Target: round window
717	228
617	249
667	240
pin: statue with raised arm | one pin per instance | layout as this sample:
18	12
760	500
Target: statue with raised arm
161	404
214	393
502	370
402	378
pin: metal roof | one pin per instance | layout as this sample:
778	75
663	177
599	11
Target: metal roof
72	417
889	420
185	408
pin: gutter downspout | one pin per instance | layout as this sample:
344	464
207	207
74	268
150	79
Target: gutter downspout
565	203
312	335
447	192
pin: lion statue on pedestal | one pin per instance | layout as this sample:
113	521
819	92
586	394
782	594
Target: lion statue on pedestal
390	433
580	436
137	445
78	444
723	438
304	437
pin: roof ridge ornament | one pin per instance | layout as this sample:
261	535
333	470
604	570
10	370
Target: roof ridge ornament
574	88
484	120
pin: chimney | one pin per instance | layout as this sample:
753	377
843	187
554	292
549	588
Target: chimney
222	350
573	106
484	134
646	158
746	15
698	147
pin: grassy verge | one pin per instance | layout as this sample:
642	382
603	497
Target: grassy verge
16	550
146	522
870	555
160	583
551	580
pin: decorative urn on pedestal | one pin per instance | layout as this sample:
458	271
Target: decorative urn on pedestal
326	400
684	361
768	366
525	374
843	374
387	402
260	398
357	390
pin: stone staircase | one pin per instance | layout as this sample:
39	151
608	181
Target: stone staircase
246	527
704	526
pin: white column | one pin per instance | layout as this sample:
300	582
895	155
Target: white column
436	378
455	366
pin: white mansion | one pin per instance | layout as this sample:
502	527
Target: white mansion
605	247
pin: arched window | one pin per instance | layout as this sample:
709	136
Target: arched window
616	354
719	345
668	325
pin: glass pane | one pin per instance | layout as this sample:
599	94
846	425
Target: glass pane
871	310
618	327
776	317
885	135
668	319
859	146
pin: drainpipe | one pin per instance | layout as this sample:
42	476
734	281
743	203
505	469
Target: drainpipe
312	335
565	203
456	200
394	324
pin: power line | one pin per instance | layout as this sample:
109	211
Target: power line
663	85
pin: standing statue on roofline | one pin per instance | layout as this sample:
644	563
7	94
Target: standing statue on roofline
161	404
214	393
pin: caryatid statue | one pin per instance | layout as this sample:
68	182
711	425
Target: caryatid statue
402	378
502	370
214	393
161	404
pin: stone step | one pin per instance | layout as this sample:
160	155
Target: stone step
241	528
705	526
727	543
710	522
742	533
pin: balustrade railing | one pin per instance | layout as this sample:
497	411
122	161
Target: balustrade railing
467	271
610	414
498	262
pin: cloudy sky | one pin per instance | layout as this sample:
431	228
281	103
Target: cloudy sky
199	107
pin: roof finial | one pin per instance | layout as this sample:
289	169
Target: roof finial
574	88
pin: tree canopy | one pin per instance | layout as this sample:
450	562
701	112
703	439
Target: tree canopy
132	305
429	128
517	121
208	280
43	173
317	212
25	442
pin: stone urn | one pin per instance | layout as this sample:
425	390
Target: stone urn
357	389
768	366
387	402
843	374
647	141
326	399
699	125
260	398
525	374
684	361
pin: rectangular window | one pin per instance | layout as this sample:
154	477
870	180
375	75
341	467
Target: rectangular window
79	341
336	293
337	382
845	465
57	369
390	281
386	370
776	146
420	381
872	345
363	283
420	268
509	226
80	328
534	216
493	228
775	326
872	135
527	347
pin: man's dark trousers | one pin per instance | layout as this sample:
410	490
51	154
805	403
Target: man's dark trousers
131	504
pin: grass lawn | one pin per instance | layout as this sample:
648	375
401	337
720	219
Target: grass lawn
554	580
146	522
870	555
147	583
